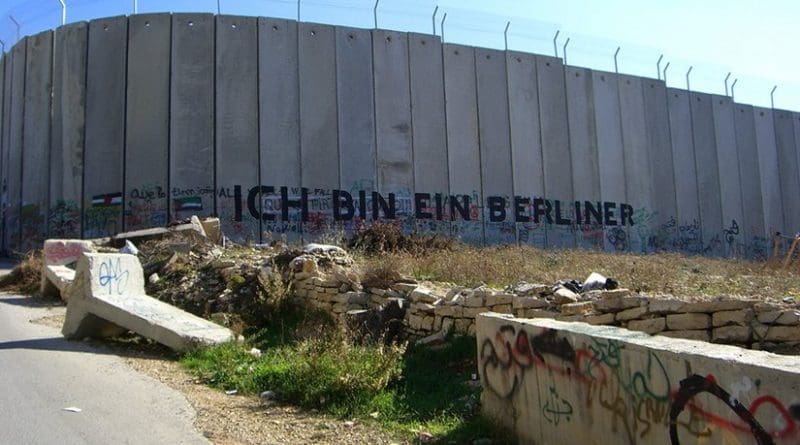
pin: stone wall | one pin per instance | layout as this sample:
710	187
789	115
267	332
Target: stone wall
331	285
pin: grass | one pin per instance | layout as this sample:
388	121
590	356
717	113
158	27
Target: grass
309	363
665	273
25	278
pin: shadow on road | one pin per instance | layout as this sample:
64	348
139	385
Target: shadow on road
33	302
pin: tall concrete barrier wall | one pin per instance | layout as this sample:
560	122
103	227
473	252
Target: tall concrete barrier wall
553	382
292	130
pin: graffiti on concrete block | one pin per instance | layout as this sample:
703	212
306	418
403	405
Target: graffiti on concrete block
112	276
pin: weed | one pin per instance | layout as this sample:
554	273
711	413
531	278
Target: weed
26	277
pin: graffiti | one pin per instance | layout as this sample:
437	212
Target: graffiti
731	232
618	239
64	220
147	193
112	277
101	221
556	407
690	238
637	400
62	252
146	207
32	227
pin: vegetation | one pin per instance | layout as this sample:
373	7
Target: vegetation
26	276
308	362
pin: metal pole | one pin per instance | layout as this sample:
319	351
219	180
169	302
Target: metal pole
63	12
726	83
733	86
564	50
505	34
658	66
441	26
298	10
616	53
772	96
433	18
2	47
665	72
555	44
16	23
218	8
135	6
375	13
687	78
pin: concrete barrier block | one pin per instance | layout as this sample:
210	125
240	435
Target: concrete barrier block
57	254
551	382
108	296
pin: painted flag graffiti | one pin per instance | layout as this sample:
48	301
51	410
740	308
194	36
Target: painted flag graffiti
190	203
107	200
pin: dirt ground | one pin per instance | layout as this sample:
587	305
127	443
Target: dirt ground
236	419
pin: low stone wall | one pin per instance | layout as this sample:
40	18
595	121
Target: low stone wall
552	382
330	285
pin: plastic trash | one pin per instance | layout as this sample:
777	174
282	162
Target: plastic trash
129	248
595	281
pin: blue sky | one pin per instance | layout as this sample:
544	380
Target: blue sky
752	39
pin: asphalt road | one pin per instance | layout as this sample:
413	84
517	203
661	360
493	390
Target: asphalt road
41	374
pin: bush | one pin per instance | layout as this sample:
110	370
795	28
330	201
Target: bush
26	276
381	237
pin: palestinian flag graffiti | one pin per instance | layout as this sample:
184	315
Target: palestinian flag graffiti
190	203
107	200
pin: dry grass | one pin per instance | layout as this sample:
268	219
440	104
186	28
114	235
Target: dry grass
656	274
26	276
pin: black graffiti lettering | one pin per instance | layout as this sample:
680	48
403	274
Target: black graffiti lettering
559	219
379	204
497	209
608	213
592	210
439	206
548	208
252	195
343	198
626	214
463	209
237	202
420	204
302	204
519	209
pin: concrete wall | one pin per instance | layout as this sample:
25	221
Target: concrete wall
553	382
292	130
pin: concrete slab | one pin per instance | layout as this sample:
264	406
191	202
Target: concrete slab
708	188
105	127
610	154
36	140
788	171
68	136
429	132
495	146
192	116
237	128
279	121
463	149
663	213
756	243
769	170
583	149
356	124
319	145
393	124
526	144
14	147
680	124
108	296
548	382
59	258
147	121
638	176
730	183
555	147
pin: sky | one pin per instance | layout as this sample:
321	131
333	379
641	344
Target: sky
753	40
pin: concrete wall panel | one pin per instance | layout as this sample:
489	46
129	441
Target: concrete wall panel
67	141
105	127
5	143
787	164
708	188
662	217
16	82
3	128
755	241
556	159
638	176
769	170
495	146
680	121
147	135
526	143
393	123
429	132
463	155
237	128
318	123
36	140
191	159
279	122
356	118
583	147
611	156
730	184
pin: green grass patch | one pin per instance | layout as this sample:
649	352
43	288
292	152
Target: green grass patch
419	389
